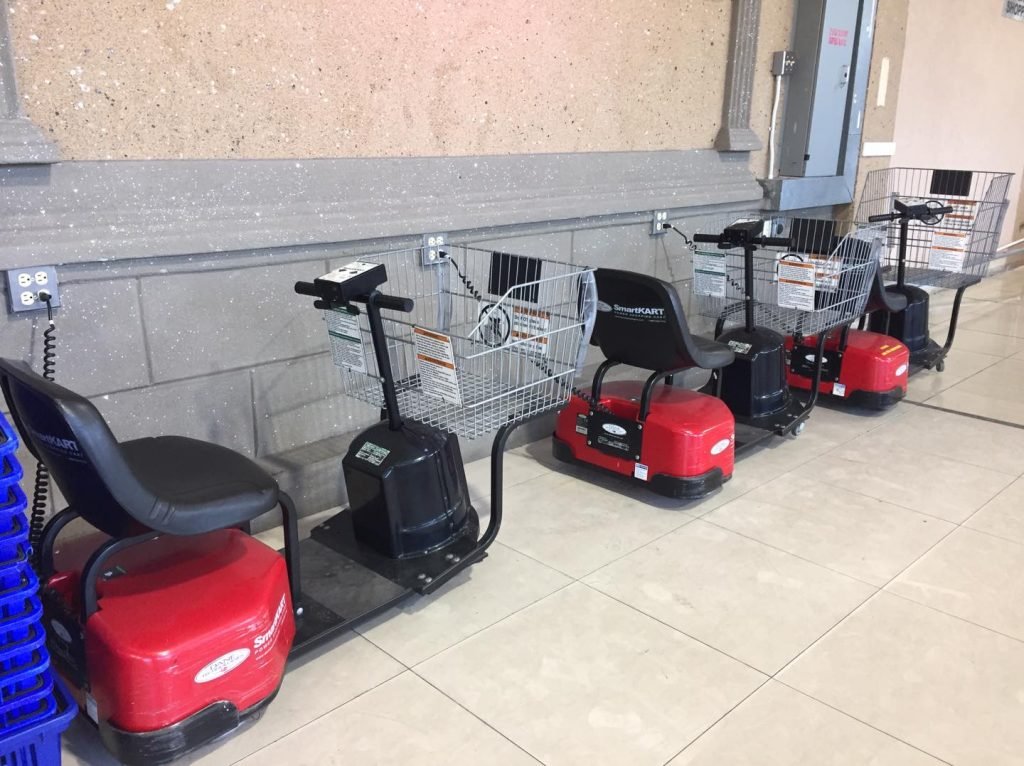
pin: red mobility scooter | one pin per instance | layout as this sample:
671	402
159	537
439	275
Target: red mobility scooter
678	442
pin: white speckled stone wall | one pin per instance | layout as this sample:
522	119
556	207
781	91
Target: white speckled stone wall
310	78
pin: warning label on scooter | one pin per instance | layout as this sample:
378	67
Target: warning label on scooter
346	343
948	250
372	453
796	284
709	273
435	363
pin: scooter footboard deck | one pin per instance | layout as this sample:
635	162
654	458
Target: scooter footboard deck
337	593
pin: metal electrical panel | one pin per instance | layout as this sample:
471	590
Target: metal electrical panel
817	99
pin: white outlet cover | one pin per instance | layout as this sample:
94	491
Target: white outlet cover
24	280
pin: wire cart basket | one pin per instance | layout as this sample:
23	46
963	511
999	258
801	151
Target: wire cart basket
951	250
816	279
493	338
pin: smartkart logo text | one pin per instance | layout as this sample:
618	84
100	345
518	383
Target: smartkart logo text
59	444
265	640
652	313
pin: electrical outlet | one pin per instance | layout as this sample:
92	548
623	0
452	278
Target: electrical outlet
434	250
783	63
658	221
23	286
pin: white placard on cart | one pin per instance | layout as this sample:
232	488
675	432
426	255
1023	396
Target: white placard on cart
796	285
435	363
347	347
709	273
530	330
948	250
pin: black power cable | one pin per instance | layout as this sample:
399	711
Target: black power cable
41	490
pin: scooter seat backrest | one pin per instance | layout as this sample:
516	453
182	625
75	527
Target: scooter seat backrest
640	322
68	435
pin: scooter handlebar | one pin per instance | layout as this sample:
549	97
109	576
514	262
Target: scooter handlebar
393	302
712	238
388	302
774	241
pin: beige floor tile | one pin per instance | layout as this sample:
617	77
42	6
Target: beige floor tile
1003	515
404	721
995	392
987	343
582	679
933	485
982	405
972	575
577	526
842	530
777	726
503	583
755	603
943	685
1004	287
322	682
998	318
960	365
516	469
955	437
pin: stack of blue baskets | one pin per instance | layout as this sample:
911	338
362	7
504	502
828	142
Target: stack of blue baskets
34	710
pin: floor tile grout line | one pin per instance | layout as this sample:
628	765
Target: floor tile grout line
674	628
972	415
718	720
863	603
907	507
274	741
806	560
993	535
935	609
858	720
494	624
489	725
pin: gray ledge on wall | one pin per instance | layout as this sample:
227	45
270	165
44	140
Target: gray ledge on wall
21	141
79	212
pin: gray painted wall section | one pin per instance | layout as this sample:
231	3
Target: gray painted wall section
99	211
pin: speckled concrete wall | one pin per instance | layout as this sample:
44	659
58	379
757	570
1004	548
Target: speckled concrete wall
311	78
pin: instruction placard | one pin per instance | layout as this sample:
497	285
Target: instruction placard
948	250
435	363
796	285
346	342
709	273
530	330
348	271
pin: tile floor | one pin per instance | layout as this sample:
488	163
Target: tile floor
851	597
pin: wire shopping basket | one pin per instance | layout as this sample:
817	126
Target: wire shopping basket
951	250
493	337
818	282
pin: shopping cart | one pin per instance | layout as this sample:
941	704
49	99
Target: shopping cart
494	338
943	230
770	283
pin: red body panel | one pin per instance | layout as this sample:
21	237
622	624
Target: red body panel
680	434
186	622
871	362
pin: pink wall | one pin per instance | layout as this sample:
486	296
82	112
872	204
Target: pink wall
961	96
